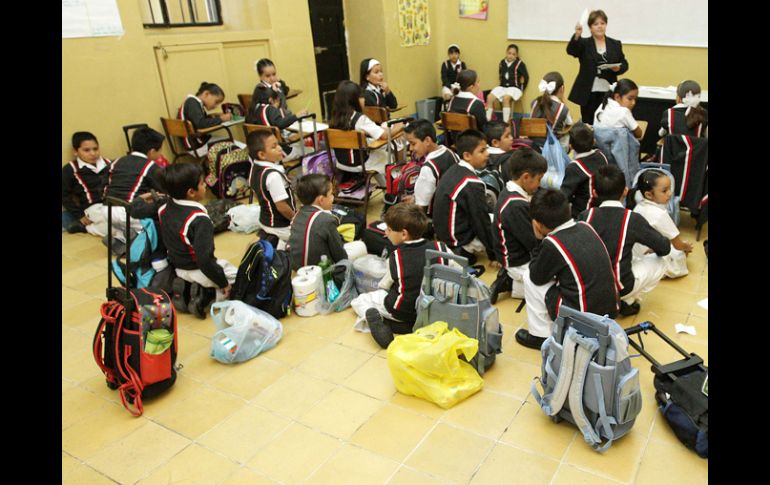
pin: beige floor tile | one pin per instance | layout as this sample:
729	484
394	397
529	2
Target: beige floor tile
409	476
200	412
346	467
295	454
248	378
68	263
102	427
293	394
203	327
93	287
191	342
295	346
78	315
334	362
244	476
392	432
84	272
669	299
78	404
141	451
91	254
569	475
513	377
620	462
359	341
689	283
329	327
194	465
74	472
664	464
513	349
71	298
486	413
199	365
373	379
450	453
341	412
417	405
506	462
243	433
183	388
75	344
532	430
661	431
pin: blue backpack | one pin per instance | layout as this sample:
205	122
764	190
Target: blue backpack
140	254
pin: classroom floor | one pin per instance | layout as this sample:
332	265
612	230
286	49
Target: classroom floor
321	407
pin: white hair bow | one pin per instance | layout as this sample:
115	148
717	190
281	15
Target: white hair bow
546	86
691	100
455	85
613	86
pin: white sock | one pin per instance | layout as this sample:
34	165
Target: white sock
489	113
506	114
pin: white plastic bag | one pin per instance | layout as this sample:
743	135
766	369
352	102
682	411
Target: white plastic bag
244	218
243	332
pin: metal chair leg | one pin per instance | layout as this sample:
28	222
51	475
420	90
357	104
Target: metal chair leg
521	305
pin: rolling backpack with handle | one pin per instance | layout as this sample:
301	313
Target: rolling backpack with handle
228	170
135	343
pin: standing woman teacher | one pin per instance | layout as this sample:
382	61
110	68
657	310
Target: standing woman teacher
595	52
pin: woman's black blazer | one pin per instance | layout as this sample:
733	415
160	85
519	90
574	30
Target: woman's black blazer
585	50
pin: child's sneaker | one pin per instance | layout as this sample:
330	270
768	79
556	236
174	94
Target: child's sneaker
502	284
381	332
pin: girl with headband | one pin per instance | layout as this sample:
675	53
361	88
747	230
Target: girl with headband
376	90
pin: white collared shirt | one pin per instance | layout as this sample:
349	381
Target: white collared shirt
275	184
612	203
96	168
139	154
466	94
425	185
514	187
658	217
614	116
494	150
566	225
191	203
585	154
467	165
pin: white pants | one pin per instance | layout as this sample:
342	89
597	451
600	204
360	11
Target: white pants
282	233
365	301
475	246
538	320
446	93
96	214
119	222
499	92
197	276
676	263
519	274
648	271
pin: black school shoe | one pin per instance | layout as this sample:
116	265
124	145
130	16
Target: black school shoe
527	340
76	227
180	295
503	284
627	310
200	298
381	332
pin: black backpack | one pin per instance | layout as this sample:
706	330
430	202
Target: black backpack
264	279
217	211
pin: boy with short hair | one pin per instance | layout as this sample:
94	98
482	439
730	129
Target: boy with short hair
620	229
391	309
188	235
499	143
570	267
314	229
460	214
421	136
270	185
580	174
514	238
82	187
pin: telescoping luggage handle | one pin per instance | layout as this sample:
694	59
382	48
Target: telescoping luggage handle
462	278
587	324
389	123
302	137
114	293
690	360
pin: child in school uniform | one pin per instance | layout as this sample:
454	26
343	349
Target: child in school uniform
580	174
266	110
208	97
569	267
268	78
314	229
82	187
687	117
436	160
513	80
188	234
550	105
649	198
615	110
460	214
465	99
620	229
376	91
513	235
499	143
270	185
392	308
450	68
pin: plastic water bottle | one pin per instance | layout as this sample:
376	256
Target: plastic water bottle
332	292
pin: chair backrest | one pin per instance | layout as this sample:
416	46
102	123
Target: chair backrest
248	128
245	100
457	121
345	139
643	125
533	128
377	114
328	102
176	130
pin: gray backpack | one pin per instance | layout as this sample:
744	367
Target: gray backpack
587	377
452	295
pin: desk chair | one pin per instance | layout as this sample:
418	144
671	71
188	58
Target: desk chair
456	122
176	130
127	129
533	128
377	114
352	140
245	100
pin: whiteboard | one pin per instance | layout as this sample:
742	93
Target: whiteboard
90	18
655	22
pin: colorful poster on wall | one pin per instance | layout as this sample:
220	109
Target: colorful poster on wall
413	25
474	9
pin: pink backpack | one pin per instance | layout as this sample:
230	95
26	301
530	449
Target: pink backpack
320	162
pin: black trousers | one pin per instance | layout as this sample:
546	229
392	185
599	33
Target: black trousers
587	111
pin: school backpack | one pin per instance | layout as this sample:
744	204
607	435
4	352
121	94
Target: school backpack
348	215
217	211
319	162
264	279
400	179
454	296
228	170
375	239
144	247
493	185
587	377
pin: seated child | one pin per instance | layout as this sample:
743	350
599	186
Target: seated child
654	189
550	105
437	159
82	187
569	267
188	234
460	215
208	97
513	236
465	98
265	110
449	71
513	80
686	117
268	77
270	185
621	229
580	174
396	299
375	90
615	110
314	229
499	143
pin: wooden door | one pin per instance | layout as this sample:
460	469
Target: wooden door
331	55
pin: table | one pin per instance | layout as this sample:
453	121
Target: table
224	125
650	105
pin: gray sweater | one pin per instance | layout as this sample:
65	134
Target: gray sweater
313	234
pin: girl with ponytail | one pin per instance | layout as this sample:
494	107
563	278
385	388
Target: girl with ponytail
615	110
550	105
465	98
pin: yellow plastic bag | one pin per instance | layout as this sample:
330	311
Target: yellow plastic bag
427	364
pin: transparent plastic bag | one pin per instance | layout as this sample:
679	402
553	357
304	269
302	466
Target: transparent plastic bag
243	332
244	218
347	290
